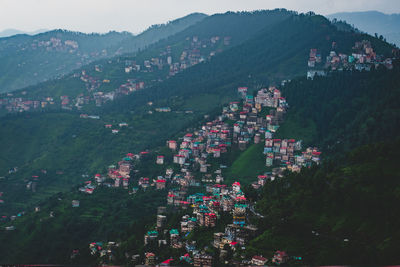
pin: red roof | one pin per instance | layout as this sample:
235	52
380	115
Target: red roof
189	135
167	261
161	181
260	258
97	175
236	183
144	152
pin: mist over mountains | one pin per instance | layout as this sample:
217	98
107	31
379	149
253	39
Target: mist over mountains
373	22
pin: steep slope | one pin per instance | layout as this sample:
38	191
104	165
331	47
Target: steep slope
291	205
348	205
373	22
158	32
359	108
226	30
337	213
27	60
277	52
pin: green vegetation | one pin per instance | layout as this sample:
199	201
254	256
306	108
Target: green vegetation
248	165
336	213
107	215
343	111
344	211
355	197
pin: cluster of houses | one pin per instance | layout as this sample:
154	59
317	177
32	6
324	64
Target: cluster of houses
363	57
105	251
19	104
253	120
206	210
92	85
195	153
55	44
195	51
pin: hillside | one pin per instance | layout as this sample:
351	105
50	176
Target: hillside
347	204
373	22
360	108
27	60
338	213
158	32
277	52
325	214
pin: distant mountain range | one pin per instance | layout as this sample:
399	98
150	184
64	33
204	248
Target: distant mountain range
373	22
11	32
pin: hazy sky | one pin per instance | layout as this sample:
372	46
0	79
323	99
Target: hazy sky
137	15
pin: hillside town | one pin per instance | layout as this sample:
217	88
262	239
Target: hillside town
251	121
197	163
134	74
362	58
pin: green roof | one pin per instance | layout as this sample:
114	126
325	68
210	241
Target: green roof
174	232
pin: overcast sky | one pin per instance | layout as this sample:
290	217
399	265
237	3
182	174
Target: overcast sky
136	15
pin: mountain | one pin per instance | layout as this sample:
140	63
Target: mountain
347	204
11	32
28	60
57	150
373	22
158	32
276	50
32	150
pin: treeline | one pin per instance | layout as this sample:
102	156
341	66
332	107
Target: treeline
345	110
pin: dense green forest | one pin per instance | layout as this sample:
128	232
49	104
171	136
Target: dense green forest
346	210
337	213
344	111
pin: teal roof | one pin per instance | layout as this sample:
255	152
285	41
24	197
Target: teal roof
174	232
